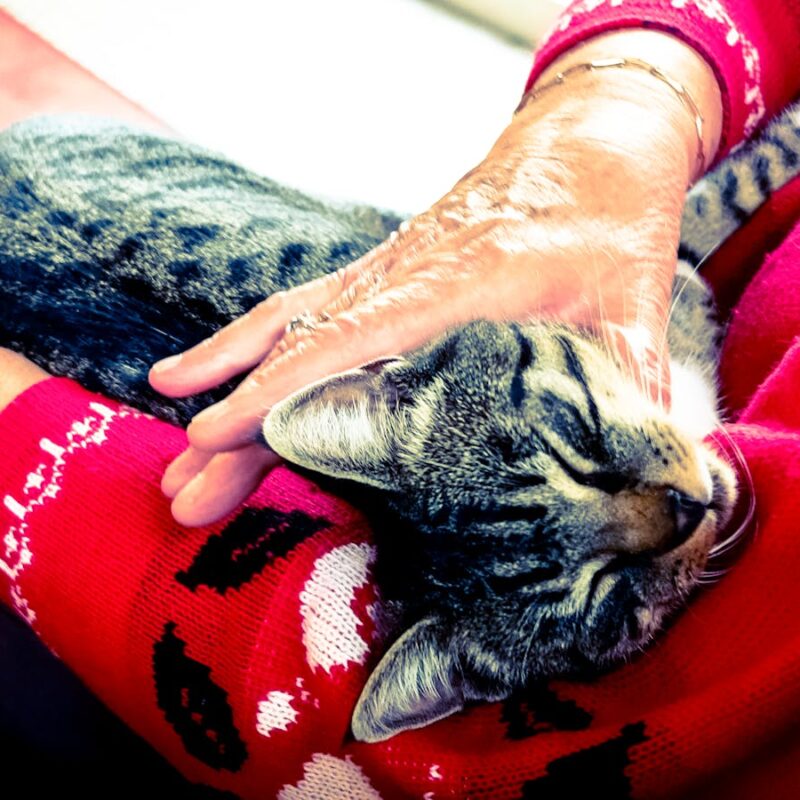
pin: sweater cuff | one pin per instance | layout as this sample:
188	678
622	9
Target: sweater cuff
52	408
57	433
716	37
49	407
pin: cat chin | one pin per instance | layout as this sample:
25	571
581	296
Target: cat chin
651	620
662	590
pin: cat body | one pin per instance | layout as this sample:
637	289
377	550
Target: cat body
546	516
119	247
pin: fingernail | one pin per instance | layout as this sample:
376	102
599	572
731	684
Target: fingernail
167	363
171	482
213	413
192	491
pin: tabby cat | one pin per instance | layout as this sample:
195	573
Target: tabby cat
546	518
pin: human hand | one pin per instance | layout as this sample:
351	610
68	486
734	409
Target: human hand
573	215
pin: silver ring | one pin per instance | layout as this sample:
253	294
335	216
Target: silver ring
306	321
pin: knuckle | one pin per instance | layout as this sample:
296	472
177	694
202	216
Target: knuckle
256	381
344	276
350	326
296	339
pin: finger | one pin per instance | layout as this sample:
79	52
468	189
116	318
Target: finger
396	321
183	469
243	343
226	481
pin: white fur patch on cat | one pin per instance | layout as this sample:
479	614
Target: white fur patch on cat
326	777
694	403
353	431
330	626
275	713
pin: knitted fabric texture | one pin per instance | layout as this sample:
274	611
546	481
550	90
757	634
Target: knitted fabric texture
753	47
239	650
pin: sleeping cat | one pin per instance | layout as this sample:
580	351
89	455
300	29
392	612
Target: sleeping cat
556	515
546	517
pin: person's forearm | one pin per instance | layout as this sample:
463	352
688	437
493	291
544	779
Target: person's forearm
618	144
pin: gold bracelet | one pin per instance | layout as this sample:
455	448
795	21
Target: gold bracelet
620	63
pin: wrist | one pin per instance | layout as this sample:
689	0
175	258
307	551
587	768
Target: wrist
602	142
665	105
17	374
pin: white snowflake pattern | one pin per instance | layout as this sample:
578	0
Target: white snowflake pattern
275	712
326	777
42	484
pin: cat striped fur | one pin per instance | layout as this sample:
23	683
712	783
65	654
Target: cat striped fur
718	204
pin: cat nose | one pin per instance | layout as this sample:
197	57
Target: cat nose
688	514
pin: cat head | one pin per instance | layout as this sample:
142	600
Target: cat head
556	515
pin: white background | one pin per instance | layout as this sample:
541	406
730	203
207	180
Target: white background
382	101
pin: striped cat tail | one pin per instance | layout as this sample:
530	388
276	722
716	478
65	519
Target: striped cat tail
726	197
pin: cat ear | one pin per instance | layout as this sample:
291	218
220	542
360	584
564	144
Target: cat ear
417	682
344	426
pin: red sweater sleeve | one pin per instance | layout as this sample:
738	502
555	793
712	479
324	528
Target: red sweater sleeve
752	45
238	650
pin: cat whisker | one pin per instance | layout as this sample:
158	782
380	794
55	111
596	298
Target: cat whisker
710	577
714	573
734	538
166	334
730	542
672	306
676	298
529	612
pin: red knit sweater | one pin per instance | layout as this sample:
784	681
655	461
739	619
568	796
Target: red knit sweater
239	650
